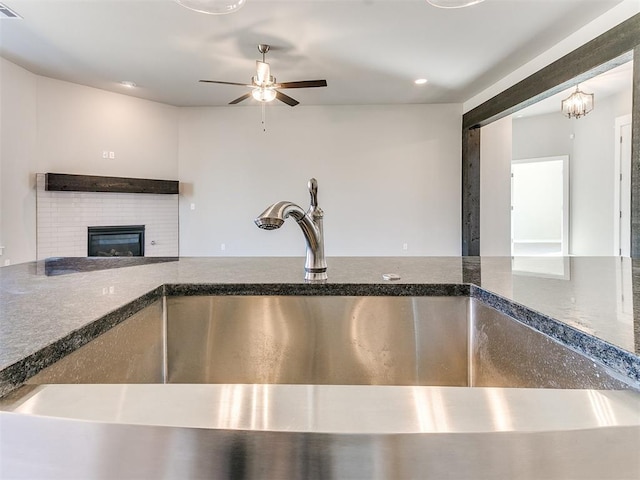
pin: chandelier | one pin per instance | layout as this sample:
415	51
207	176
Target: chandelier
578	104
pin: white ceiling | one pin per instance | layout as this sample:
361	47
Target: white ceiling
369	51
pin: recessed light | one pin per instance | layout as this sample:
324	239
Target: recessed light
128	84
420	81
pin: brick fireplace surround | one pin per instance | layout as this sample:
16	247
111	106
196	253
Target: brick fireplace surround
63	218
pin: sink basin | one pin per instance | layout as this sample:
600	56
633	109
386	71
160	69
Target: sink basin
322	387
329	340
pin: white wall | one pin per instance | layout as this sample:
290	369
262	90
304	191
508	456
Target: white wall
387	175
54	126
546	135
76	124
593	176
495	188
591	166
17	146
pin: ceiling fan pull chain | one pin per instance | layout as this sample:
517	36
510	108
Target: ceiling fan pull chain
264	118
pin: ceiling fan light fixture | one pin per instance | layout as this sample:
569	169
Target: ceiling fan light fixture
453	3
264	94
263	85
213	7
578	104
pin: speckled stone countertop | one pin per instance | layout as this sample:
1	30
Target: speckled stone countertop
49	309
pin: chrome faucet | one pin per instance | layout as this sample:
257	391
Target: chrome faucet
310	222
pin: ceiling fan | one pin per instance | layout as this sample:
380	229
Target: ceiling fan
264	87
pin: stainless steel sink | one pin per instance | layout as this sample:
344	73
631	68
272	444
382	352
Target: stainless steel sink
381	389
330	340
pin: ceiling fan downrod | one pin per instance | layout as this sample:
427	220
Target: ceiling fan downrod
263	48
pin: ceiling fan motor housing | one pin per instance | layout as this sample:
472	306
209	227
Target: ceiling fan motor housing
271	80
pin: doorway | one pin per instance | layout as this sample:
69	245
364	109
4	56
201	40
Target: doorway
540	206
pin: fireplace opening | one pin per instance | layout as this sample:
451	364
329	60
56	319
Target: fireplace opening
121	241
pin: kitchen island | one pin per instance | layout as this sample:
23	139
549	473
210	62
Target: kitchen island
49	309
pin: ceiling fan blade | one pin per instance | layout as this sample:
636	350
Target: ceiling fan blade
303	84
240	99
292	102
226	83
263	72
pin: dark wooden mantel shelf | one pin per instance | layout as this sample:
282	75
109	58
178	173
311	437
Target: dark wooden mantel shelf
62	182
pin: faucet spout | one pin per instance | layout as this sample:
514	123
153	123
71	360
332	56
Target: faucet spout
310	223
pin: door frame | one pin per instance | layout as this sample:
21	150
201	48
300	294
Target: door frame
566	185
617	207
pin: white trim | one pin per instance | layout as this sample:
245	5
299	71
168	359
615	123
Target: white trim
552	240
541	159
619	123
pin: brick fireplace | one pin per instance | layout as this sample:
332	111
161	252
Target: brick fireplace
63	219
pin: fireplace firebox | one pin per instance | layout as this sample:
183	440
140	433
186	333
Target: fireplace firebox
119	241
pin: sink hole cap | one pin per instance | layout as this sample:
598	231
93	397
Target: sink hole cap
390	276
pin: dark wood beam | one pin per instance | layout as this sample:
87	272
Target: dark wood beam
62	182
603	53
607	51
471	192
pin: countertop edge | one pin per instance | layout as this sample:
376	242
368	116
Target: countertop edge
15	375
623	362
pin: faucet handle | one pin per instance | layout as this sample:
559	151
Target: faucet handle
313	191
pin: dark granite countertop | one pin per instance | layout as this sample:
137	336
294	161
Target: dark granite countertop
45	315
